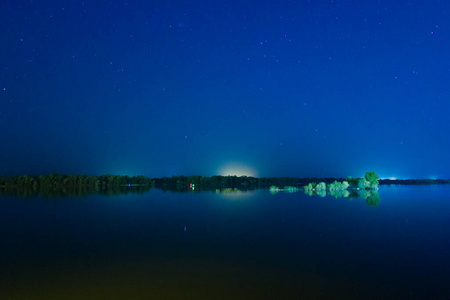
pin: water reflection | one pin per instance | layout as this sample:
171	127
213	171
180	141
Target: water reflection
287	189
166	245
372	197
338	193
58	191
62	191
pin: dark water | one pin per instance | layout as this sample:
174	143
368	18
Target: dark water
244	245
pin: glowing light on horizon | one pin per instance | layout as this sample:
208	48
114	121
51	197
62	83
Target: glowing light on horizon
237	169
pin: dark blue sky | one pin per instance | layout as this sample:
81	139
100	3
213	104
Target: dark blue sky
263	88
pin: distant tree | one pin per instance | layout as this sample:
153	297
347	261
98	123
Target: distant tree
338	186
309	187
372	178
363	183
274	188
70	180
125	180
321	186
334	186
353	182
109	180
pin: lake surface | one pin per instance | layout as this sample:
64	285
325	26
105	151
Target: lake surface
241	245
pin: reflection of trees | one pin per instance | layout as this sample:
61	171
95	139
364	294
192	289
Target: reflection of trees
364	194
310	192
322	193
339	193
372	197
62	191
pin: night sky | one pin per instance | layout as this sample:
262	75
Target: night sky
262	88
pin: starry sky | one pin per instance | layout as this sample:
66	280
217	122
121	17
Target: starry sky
260	88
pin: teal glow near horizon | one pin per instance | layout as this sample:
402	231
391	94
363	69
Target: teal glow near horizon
237	169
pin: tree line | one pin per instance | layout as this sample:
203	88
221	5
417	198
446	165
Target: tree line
200	182
414	181
60	180
369	181
215	182
177	182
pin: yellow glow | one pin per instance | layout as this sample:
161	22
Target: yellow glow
237	169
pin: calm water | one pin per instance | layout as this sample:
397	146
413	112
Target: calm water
244	245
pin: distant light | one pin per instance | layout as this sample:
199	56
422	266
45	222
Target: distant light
237	169
388	178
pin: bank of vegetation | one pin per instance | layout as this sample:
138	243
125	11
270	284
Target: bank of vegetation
369	181
60	180
59	184
365	187
413	181
63	184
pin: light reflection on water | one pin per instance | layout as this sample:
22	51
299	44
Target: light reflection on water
262	246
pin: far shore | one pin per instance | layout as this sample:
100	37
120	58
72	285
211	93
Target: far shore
180	182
